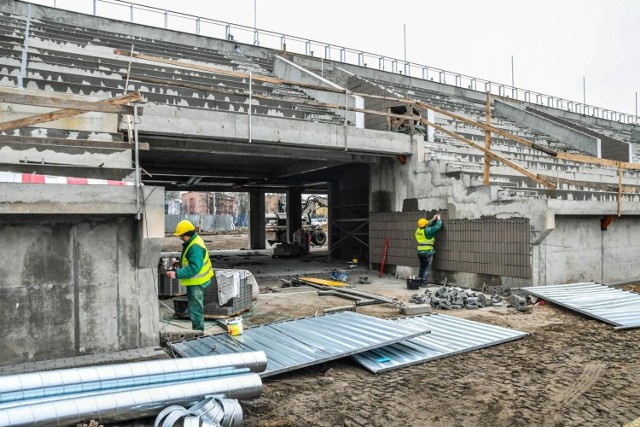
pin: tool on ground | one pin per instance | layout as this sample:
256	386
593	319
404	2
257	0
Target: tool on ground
384	255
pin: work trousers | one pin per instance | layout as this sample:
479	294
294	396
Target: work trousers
425	265
195	295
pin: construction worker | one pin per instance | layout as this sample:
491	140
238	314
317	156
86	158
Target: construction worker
425	236
195	272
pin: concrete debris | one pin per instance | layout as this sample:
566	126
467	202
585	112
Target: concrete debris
518	302
453	297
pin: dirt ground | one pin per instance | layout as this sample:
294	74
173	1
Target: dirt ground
236	239
570	370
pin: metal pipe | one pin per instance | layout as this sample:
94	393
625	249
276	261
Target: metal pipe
250	101
98	388
137	159
126	405
33	384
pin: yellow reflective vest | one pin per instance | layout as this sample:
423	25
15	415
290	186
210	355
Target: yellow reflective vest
206	272
424	244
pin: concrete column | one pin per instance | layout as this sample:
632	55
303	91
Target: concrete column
294	211
333	234
257	220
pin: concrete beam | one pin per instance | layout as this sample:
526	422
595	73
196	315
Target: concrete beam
582	141
284	132
57	199
180	143
64	155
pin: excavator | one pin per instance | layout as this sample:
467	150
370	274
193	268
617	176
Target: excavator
277	222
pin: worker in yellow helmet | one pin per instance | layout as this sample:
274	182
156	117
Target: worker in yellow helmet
425	236
195	272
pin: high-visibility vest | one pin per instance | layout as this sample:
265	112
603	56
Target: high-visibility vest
424	244
206	272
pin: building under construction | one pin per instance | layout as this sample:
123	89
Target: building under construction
100	117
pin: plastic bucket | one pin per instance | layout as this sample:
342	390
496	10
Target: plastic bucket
413	284
234	326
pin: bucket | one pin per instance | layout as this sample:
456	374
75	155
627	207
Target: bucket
234	326
413	284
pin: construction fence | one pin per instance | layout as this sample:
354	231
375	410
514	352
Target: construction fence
204	222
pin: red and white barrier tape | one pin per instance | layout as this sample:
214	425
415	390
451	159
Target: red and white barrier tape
34	178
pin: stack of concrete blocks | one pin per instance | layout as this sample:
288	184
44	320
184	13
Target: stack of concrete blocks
232	307
453	297
169	287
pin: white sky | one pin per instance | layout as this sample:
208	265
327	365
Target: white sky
554	43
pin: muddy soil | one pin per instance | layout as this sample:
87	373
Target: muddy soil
569	371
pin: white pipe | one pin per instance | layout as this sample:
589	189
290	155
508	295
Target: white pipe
33	385
126	405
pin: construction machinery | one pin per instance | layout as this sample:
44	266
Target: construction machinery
277	222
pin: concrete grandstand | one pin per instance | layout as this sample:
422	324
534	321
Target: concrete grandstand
559	203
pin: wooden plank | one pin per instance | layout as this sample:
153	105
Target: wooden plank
46	101
67	112
487	142
490	128
6	139
493	155
323	282
597	161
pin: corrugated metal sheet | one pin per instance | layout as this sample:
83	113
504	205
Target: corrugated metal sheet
304	342
449	336
612	305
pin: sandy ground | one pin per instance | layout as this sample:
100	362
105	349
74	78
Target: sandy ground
569	371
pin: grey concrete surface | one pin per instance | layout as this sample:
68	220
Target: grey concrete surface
290	71
580	140
276	131
82	270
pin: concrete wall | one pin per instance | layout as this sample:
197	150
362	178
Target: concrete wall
73	288
577	250
80	271
580	140
611	148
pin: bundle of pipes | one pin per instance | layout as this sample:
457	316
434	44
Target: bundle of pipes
126	391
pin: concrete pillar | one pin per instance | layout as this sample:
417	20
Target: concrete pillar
257	220
333	234
294	211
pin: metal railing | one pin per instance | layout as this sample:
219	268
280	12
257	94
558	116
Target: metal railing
183	22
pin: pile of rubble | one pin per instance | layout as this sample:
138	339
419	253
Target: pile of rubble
451	297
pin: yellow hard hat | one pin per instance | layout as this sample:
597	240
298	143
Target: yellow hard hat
422	222
182	227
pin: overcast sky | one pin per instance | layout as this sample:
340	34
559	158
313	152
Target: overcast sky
554	43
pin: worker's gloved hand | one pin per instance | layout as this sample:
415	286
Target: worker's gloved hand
171	274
